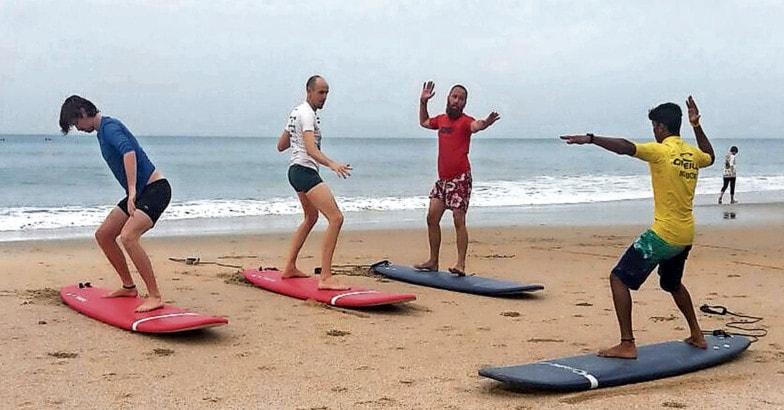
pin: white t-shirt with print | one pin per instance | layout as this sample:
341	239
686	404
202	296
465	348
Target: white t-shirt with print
729	165
303	118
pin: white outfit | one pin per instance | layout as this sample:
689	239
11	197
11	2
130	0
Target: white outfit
303	118
729	165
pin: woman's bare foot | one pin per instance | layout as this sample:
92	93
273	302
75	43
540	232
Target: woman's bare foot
150	304
122	293
428	266
293	273
331	283
624	350
697	341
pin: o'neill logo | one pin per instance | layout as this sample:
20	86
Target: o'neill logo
579	372
77	297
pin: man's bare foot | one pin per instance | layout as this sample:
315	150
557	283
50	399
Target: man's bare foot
122	293
428	266
293	273
458	270
697	341
733	201
719	201
624	350
150	304
331	283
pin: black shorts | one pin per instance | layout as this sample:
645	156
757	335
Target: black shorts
302	178
153	200
633	269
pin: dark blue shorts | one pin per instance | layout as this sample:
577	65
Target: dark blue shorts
647	252
302	178
153	200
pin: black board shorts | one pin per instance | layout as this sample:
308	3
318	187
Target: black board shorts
153	200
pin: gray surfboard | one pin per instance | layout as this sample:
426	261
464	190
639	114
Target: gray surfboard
473	284
589	371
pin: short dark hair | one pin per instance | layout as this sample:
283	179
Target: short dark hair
668	114
72	110
311	82
734	149
461	87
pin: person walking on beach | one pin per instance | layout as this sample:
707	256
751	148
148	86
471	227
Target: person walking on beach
303	135
452	190
147	195
729	174
674	167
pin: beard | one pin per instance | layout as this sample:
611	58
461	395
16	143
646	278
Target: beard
453	112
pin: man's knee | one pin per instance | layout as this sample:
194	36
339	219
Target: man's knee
104	236
129	238
670	287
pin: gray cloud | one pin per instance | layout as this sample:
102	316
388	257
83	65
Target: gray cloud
237	67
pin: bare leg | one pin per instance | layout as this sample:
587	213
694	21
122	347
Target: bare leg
622	299
434	214
130	236
683	300
323	200
304	229
461	234
106	236
732	192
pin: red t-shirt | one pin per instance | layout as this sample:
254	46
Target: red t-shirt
454	139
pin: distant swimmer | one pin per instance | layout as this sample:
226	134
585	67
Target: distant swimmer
452	190
147	195
674	167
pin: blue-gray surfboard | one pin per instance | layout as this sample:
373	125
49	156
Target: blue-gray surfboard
654	361
473	284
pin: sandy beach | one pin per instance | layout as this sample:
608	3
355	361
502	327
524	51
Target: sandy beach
278	352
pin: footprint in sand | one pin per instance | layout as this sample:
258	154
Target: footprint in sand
337	333
161	352
63	355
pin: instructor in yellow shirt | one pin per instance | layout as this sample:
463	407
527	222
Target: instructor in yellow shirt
674	166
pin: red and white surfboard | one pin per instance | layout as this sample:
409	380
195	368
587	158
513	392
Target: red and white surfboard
307	288
120	312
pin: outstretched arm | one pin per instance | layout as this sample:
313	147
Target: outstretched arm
427	93
619	146
702	139
480	125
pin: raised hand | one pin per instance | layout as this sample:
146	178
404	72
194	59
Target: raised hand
491	118
694	112
428	91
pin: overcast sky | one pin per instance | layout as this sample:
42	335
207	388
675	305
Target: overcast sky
238	67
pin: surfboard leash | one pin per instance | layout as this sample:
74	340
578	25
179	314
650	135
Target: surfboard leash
198	261
741	323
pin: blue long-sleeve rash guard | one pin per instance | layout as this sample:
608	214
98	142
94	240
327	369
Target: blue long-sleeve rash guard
116	141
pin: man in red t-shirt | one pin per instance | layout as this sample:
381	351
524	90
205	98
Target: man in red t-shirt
453	189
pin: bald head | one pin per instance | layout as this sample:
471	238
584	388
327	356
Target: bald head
317	90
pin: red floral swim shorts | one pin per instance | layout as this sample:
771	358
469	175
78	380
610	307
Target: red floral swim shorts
455	192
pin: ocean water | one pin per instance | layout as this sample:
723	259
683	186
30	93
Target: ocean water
60	187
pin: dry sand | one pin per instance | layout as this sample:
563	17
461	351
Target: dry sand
278	352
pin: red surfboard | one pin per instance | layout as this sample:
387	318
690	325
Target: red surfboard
120	312
307	288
